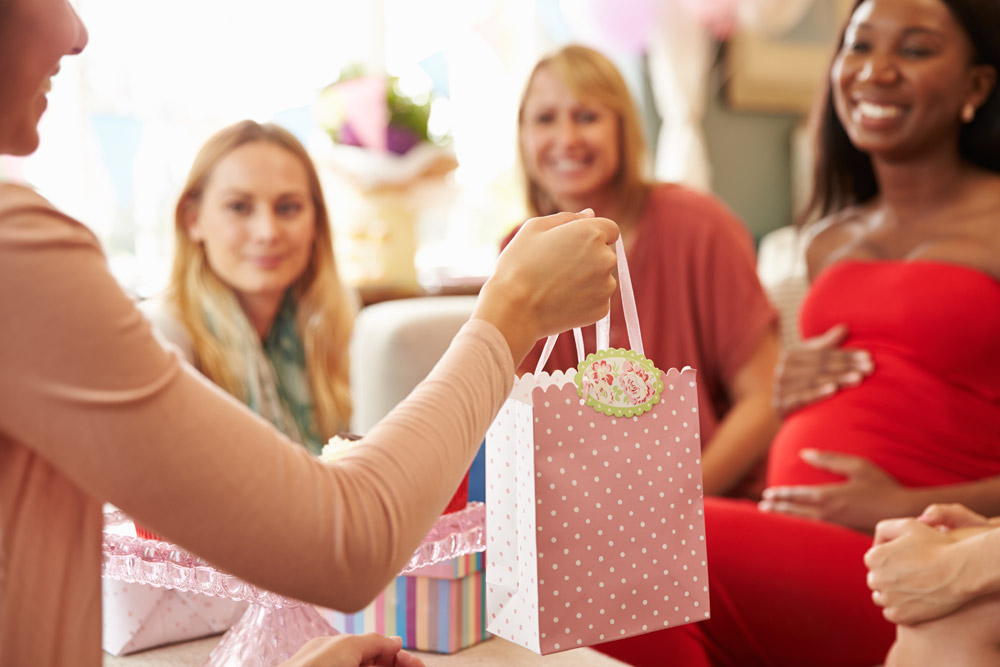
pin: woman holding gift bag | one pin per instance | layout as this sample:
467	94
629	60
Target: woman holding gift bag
696	286
906	255
93	409
255	302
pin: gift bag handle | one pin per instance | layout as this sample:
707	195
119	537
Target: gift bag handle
604	324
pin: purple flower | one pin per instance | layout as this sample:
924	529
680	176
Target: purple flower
348	136
399	139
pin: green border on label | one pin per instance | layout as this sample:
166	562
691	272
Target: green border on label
616	410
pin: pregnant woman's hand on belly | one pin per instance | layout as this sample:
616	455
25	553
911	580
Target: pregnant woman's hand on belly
817	369
866	496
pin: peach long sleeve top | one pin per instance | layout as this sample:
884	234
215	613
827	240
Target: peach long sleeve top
94	409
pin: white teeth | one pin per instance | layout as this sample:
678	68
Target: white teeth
564	164
878	111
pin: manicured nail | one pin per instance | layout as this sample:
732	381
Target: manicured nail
809	454
587	211
863	360
852	377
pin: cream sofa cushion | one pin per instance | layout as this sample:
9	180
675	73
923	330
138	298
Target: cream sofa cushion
394	345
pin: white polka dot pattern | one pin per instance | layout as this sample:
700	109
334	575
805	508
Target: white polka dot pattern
595	527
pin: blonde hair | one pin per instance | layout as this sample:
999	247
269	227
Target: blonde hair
589	75
324	314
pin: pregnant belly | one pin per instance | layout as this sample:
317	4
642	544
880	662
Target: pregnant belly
913	424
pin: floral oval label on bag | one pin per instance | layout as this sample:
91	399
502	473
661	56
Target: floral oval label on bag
618	382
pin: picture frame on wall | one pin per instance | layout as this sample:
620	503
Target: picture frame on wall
782	73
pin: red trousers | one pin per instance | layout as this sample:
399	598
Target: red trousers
784	591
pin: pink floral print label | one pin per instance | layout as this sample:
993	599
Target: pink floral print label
618	382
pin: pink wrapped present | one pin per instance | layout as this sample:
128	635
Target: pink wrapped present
595	525
438	608
139	616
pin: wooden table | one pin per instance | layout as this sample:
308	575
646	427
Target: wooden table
494	652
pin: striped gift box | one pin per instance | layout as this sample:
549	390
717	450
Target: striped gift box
438	608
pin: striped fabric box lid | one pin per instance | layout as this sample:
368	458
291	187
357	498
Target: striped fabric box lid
454	568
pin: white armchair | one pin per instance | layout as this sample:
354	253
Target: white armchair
395	344
781	267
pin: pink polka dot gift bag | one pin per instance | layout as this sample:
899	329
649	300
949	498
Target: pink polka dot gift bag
595	528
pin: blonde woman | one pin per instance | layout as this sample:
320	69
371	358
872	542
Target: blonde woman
255	302
693	267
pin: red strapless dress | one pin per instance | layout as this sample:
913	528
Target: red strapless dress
930	412
790	591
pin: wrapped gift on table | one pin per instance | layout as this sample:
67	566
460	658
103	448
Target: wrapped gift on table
438	608
139	616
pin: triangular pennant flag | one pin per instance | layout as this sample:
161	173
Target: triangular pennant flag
366	109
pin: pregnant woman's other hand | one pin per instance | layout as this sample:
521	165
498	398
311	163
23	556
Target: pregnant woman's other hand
818	369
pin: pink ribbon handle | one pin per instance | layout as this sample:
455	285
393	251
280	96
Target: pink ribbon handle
604	324
550	343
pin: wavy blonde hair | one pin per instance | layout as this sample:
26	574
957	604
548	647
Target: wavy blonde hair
324	314
590	75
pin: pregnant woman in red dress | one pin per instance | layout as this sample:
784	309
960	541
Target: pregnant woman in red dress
906	254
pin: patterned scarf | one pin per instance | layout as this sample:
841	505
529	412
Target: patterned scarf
277	382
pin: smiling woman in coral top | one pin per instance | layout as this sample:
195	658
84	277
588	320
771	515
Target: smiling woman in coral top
692	259
906	253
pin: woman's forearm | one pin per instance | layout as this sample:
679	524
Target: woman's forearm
982	496
739	444
744	435
986	579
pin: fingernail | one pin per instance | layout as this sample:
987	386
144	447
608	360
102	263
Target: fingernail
765	506
863	361
809	454
586	211
852	377
827	389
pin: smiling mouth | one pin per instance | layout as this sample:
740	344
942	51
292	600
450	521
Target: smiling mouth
567	164
879	111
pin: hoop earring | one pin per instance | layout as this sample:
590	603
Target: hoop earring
968	112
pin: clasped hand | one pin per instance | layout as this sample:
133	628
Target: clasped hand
918	569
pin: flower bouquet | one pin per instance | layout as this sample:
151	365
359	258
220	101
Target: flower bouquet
388	167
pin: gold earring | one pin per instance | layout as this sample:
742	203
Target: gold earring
968	112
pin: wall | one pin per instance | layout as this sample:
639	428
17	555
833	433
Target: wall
751	157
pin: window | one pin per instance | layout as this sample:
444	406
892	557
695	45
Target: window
127	116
